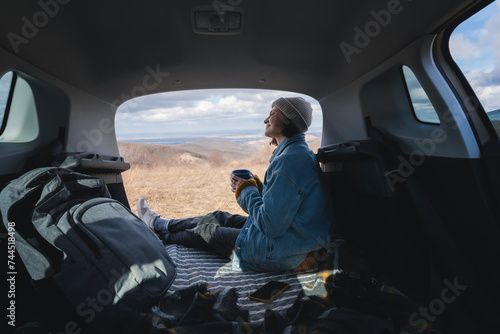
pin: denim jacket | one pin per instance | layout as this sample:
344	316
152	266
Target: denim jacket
290	216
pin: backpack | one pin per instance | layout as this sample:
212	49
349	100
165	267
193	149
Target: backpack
72	237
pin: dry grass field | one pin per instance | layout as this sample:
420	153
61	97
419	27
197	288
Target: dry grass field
179	181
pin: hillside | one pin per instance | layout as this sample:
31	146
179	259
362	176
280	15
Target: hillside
228	150
213	151
191	179
151	155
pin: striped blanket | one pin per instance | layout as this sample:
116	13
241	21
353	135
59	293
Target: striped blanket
313	302
197	266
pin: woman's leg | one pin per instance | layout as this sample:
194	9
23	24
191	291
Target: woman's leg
220	241
176	225
229	220
216	232
220	218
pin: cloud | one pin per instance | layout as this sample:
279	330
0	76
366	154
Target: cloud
486	82
493	27
201	110
476	48
5	82
463	48
418	94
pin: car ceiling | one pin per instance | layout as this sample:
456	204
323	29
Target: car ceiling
107	48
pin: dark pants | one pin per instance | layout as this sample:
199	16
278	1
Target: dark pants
216	231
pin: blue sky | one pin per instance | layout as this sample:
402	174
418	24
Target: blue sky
475	46
200	111
4	93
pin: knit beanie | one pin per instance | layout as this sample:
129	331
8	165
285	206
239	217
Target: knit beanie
297	110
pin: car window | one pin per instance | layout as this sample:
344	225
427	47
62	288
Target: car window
5	88
422	106
475	47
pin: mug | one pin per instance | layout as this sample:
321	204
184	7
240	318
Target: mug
243	173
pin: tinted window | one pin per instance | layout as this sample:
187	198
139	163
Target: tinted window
422	106
5	86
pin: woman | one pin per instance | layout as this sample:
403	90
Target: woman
289	213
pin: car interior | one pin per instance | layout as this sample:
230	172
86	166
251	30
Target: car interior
419	198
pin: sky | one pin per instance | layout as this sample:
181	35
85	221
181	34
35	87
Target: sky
201	111
4	92
475	46
422	106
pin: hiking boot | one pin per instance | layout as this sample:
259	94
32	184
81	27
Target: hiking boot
146	214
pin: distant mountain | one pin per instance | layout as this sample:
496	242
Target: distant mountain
494	115
154	155
230	150
204	150
196	151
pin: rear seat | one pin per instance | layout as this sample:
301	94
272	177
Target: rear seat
381	223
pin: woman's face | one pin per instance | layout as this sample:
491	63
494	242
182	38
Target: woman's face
274	123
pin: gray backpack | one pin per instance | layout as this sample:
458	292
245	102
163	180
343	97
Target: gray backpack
106	262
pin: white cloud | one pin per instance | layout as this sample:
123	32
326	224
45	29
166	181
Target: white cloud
486	81
418	94
203	106
463	48
476	48
493	28
487	88
201	110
